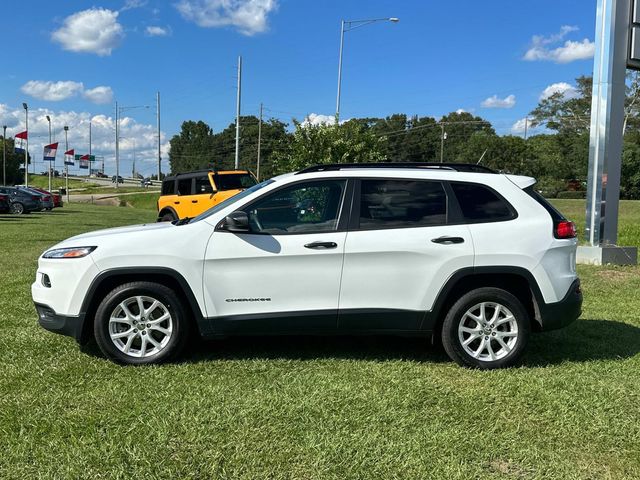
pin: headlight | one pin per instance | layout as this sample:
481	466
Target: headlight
71	252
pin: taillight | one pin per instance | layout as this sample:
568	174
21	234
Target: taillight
565	229
35	197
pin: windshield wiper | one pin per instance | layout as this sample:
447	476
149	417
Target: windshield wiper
182	221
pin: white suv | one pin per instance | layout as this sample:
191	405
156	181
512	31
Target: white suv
450	250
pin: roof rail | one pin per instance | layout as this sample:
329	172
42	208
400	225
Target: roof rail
205	170
456	167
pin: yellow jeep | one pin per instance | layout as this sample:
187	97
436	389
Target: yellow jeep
189	194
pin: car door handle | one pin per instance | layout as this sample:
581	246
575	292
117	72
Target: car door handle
448	240
177	203
321	245
194	201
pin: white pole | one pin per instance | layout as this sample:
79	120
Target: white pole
237	160
66	167
259	144
117	147
159	153
26	152
49	120
339	72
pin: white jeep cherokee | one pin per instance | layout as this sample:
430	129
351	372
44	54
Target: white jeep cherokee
454	250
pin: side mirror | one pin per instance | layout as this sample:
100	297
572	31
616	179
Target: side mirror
237	221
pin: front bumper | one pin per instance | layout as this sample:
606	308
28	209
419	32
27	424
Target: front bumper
71	326
560	314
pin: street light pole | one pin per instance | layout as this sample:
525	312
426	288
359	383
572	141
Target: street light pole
26	151
345	26
66	167
237	159
119	110
259	144
49	120
4	155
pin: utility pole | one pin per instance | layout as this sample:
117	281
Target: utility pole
237	162
526	123
259	143
49	120
66	167
4	155
26	152
159	153
90	148
443	137
117	147
133	167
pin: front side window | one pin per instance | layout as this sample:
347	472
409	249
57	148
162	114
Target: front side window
203	185
402	203
303	208
481	204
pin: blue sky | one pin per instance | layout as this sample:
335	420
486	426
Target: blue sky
73	59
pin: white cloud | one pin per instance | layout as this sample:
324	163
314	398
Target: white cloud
247	16
52	91
132	130
568	52
495	102
319	119
130	4
62	90
155	31
567	91
519	126
95	30
99	95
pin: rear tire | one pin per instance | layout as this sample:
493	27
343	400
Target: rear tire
167	217
486	328
141	323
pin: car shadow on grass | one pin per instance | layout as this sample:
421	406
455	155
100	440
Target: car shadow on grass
583	341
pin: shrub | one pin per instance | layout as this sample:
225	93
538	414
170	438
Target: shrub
572	194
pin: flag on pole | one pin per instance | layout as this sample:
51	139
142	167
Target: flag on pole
84	161
19	146
50	152
68	157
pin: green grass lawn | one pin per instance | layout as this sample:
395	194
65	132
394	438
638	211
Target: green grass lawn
314	408
42	181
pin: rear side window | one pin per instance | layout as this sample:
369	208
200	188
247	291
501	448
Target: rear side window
481	204
168	187
234	181
184	186
203	185
402	203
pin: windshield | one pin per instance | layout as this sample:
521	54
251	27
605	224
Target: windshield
231	200
234	181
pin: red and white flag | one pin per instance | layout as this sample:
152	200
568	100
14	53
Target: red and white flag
50	152
19	141
69	157
84	161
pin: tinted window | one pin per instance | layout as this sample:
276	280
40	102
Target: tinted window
402	203
303	208
184	186
168	187
203	185
479	203
234	181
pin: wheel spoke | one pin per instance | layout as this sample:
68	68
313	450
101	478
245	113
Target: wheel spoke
126	311
162	330
471	339
120	320
496	314
127	346
483	345
115	336
153	306
159	320
504	346
140	306
492	354
483	313
506	319
472	331
153	342
506	334
143	347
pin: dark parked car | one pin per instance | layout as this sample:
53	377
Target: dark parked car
47	199
57	198
120	179
22	201
4	203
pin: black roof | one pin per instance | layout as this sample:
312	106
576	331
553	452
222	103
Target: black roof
456	167
195	172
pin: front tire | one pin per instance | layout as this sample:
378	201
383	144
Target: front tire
141	323
16	208
486	328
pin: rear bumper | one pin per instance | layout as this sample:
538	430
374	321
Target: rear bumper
560	314
71	326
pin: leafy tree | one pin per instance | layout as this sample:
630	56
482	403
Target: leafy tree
459	127
192	148
350	142
14	164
